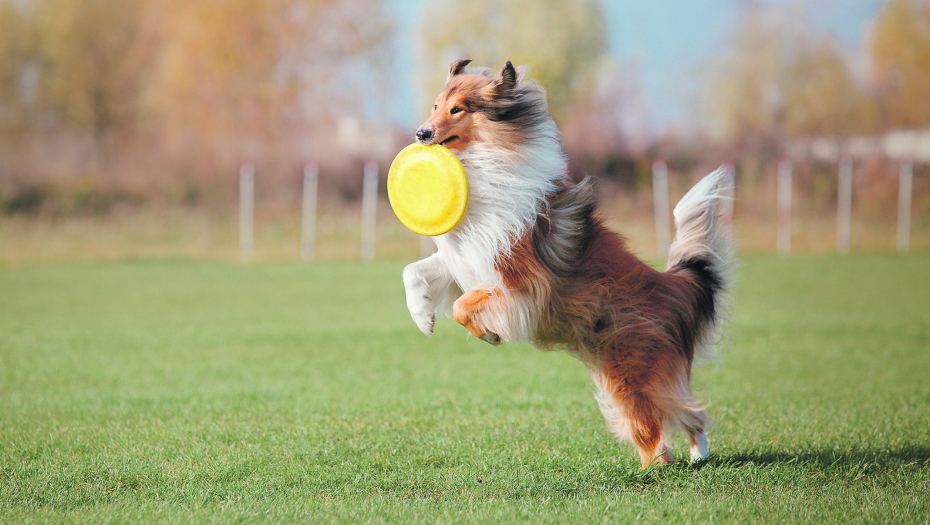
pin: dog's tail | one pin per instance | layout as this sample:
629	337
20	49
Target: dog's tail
703	248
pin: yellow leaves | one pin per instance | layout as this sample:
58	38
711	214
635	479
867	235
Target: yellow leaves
783	79
900	55
560	41
211	68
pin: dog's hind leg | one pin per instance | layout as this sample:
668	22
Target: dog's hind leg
646	430
631	416
699	446
697	435
692	418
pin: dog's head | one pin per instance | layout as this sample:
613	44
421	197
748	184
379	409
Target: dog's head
476	106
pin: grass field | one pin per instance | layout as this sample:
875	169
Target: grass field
180	391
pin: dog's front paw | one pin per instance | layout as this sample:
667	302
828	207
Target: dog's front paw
419	302
422	312
425	322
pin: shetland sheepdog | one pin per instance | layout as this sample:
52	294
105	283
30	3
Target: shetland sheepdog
532	261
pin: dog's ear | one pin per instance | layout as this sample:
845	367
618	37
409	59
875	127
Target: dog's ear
457	68
507	79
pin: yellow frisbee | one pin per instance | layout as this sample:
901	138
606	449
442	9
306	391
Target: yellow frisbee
428	188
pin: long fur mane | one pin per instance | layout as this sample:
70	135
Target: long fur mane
508	191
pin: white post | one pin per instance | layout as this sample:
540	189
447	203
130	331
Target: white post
905	185
784	208
369	210
844	205
246	210
308	218
660	203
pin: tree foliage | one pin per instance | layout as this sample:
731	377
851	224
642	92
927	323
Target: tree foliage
261	66
900	58
562	42
780	79
198	71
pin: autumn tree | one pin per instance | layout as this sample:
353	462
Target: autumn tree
92	64
259	64
823	97
562	42
137	85
900	57
780	80
18	68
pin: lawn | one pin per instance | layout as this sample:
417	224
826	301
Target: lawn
186	391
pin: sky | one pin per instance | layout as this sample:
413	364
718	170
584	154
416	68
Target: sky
665	43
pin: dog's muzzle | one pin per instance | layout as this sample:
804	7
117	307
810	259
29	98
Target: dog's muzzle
425	135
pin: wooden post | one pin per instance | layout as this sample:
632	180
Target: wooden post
308	218
905	187
660	203
784	208
844	205
369	210
246	210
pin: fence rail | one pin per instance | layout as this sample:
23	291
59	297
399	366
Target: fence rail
660	187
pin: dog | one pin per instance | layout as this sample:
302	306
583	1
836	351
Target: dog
532	261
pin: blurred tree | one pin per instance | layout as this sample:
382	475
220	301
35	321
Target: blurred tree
18	67
562	42
261	67
73	65
220	80
900	57
599	132
781	80
823	98
93	63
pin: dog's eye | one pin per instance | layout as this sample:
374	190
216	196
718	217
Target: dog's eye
455	110
435	107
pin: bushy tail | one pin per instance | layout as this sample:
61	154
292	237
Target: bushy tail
703	247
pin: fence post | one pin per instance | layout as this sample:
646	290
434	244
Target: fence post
369	210
660	204
308	207
246	210
905	186
844	205
784	208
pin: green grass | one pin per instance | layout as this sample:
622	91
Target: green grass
177	391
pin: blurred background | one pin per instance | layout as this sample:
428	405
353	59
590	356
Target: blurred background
124	125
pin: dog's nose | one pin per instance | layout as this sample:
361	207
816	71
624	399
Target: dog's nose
424	134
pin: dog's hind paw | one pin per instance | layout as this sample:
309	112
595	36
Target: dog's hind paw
699	448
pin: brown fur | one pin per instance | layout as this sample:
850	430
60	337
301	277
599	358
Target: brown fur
633	325
466	111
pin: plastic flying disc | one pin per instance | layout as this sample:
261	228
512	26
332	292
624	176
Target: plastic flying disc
428	188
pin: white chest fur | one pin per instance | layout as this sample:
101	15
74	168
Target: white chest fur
508	190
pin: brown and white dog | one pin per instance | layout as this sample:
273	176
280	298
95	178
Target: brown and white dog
531	261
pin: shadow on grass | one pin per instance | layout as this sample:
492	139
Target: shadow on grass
879	457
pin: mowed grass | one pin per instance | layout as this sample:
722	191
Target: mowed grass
178	391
